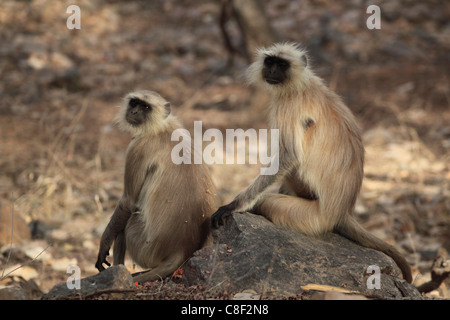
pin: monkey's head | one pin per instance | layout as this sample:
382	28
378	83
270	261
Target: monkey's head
143	112
282	66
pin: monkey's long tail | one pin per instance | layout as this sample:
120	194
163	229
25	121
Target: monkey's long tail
352	230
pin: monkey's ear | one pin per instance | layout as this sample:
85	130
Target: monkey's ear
167	106
304	60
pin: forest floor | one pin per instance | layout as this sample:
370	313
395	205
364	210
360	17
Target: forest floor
61	157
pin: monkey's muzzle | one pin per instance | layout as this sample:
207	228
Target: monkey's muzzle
272	81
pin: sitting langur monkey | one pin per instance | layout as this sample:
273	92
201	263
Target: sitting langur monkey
164	213
321	155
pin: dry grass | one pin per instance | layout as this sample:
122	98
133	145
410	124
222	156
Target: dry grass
63	160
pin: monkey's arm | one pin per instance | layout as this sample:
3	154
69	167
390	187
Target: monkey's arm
116	225
243	201
126	206
247	199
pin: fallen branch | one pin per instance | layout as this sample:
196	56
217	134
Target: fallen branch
321	287
440	270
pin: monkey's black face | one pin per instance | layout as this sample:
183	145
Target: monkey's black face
275	70
138	112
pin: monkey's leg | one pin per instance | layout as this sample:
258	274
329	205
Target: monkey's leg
294	213
119	248
166	268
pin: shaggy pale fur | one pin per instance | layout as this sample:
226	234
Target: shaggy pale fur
164	213
321	157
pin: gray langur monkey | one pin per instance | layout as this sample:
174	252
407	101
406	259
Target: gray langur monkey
321	155
164	213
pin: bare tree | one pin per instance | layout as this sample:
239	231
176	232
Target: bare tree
253	23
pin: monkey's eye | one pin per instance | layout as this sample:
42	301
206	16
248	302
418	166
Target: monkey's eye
275	61
146	106
135	102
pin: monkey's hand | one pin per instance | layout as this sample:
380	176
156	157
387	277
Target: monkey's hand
102	260
221	215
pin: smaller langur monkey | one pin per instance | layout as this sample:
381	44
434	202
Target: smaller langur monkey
321	155
164	213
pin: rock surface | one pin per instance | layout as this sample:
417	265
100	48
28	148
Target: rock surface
252	253
113	279
13	293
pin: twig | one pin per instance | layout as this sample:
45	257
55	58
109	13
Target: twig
3	275
158	291
213	287
25	264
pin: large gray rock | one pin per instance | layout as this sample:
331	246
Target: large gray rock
250	252
114	279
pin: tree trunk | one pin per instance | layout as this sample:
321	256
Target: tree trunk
255	27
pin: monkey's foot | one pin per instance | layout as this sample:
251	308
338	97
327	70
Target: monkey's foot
102	260
220	216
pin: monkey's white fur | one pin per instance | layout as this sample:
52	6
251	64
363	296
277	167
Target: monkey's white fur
289	51
160	115
321	157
